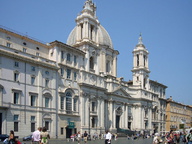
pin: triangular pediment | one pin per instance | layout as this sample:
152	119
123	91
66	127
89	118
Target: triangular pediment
121	92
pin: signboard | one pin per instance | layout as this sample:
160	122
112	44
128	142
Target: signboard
71	125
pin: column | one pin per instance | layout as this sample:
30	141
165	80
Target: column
111	113
114	72
83	111
102	113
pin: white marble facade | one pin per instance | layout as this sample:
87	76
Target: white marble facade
74	87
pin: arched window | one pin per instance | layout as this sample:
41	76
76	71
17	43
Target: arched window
68	102
91	62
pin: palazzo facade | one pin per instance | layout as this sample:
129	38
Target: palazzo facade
74	87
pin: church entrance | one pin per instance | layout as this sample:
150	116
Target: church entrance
68	132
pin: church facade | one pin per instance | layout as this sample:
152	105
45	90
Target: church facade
74	87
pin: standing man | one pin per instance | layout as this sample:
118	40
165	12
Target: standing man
108	137
85	135
36	136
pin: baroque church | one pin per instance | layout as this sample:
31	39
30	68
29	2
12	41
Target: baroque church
74	87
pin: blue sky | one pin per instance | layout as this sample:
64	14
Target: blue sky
166	27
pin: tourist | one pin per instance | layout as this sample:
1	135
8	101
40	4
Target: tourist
108	137
36	136
44	135
85	135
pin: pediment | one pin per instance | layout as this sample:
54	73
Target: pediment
121	92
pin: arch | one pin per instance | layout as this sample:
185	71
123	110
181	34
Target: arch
47	92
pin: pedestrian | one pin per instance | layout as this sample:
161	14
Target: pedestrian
189	137
78	137
108	137
157	139
169	137
11	139
44	135
85	135
36	139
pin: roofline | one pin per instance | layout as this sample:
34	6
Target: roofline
58	43
158	83
22	36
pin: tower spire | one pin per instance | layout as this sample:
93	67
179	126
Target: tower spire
140	39
89	6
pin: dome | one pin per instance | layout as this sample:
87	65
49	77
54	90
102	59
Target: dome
103	37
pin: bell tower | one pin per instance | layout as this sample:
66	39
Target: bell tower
140	69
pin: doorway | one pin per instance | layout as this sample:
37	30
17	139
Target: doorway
68	132
117	121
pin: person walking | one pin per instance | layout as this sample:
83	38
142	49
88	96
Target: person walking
108	137
44	135
189	137
36	136
85	135
78	137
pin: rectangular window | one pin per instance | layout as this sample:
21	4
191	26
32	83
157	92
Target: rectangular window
32	127
62	102
68	73
33	80
16	76
32	123
47	125
62	131
32	68
75	59
16	127
24	50
46	102
68	57
16	98
46	82
33	100
75	76
16	64
75	105
16	123
62	54
33	118
62	71
8	44
37	54
93	106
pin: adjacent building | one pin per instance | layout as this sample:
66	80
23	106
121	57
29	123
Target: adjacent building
178	116
74	87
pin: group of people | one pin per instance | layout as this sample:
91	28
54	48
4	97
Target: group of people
40	136
85	136
173	138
